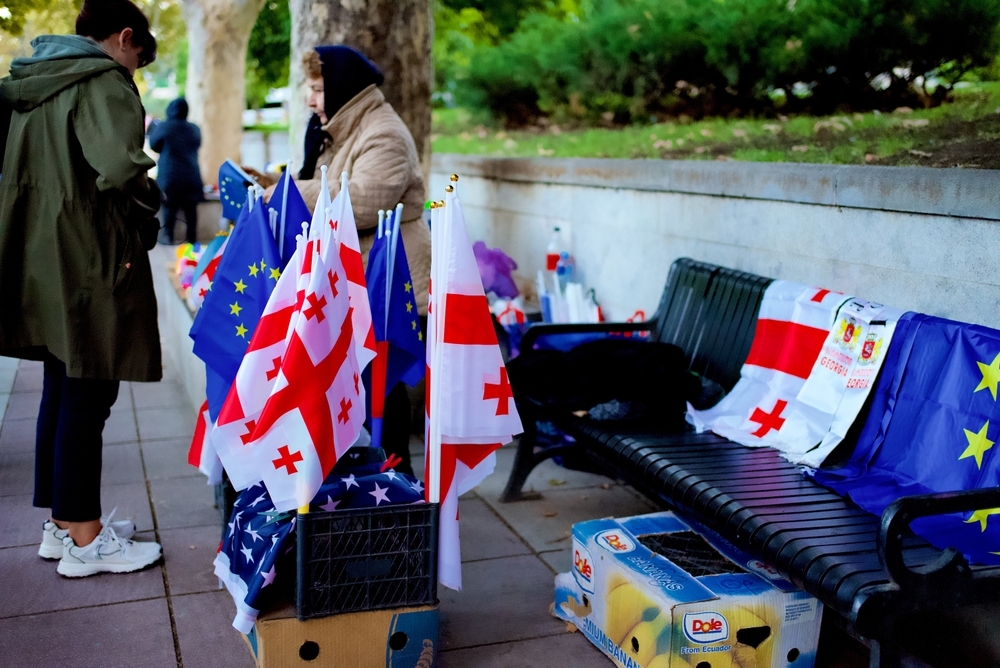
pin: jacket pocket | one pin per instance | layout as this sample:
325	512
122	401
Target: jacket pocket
123	273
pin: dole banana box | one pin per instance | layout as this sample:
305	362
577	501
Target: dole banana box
659	591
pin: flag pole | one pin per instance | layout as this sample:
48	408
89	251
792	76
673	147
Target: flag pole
284	212
433	468
380	363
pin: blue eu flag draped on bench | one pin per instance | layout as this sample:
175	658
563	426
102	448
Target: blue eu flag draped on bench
934	420
246	275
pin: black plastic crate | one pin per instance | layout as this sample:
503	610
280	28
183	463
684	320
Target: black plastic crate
366	559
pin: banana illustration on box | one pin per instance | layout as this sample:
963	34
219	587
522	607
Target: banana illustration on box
644	610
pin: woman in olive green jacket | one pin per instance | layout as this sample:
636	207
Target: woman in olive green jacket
76	220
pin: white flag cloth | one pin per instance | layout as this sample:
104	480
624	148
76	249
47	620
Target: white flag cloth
340	220
801	387
471	410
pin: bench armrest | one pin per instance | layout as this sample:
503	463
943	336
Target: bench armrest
951	566
536	332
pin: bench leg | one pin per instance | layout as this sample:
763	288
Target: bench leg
886	652
524	464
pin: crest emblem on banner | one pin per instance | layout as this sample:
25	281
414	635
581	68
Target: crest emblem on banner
870	350
849	333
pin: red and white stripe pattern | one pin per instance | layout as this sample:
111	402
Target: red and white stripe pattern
470	404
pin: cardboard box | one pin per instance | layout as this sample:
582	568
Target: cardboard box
397	638
656	591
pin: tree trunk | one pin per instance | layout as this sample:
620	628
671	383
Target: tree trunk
218	32
395	34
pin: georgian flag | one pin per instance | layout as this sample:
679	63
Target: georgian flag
470	405
340	220
201	454
317	405
801	385
259	370
203	281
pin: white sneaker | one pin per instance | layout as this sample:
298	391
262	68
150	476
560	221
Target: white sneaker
108	553
52	536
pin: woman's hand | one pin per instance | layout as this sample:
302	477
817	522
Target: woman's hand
269	191
263	179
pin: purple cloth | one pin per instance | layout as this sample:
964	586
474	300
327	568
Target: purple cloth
494	268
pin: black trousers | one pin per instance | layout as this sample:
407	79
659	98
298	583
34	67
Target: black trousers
190	210
68	443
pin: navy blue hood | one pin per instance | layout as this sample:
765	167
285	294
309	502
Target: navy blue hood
346	72
177	110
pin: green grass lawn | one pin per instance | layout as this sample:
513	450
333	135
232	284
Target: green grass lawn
963	133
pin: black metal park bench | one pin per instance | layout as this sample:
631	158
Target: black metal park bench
873	572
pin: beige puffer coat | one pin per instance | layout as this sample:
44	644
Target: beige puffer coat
371	143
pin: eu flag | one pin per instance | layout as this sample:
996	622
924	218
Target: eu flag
934	420
233	184
292	212
247	272
401	328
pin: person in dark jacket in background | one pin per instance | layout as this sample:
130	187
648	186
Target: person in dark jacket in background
177	141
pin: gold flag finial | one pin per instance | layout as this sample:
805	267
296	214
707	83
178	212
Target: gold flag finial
454	178
449	189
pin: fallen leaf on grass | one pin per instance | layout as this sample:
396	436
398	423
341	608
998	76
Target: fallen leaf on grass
705	132
916	123
902	110
545	151
772	127
739	132
921	154
800	149
663	143
700	149
869	157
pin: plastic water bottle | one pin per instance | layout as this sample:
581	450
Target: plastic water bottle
565	269
552	254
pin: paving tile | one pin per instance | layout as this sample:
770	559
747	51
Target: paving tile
205	632
23	405
501	600
120	428
484	536
559	561
20	523
38	588
29	380
124	403
164	394
17	435
4	399
546	523
130	502
121	465
547	476
129	634
190	570
184	502
17	473
162	423
168	459
566	649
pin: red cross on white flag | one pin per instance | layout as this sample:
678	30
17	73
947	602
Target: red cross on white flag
799	389
470	402
296	405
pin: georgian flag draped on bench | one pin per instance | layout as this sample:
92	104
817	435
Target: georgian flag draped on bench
297	403
470	404
813	360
